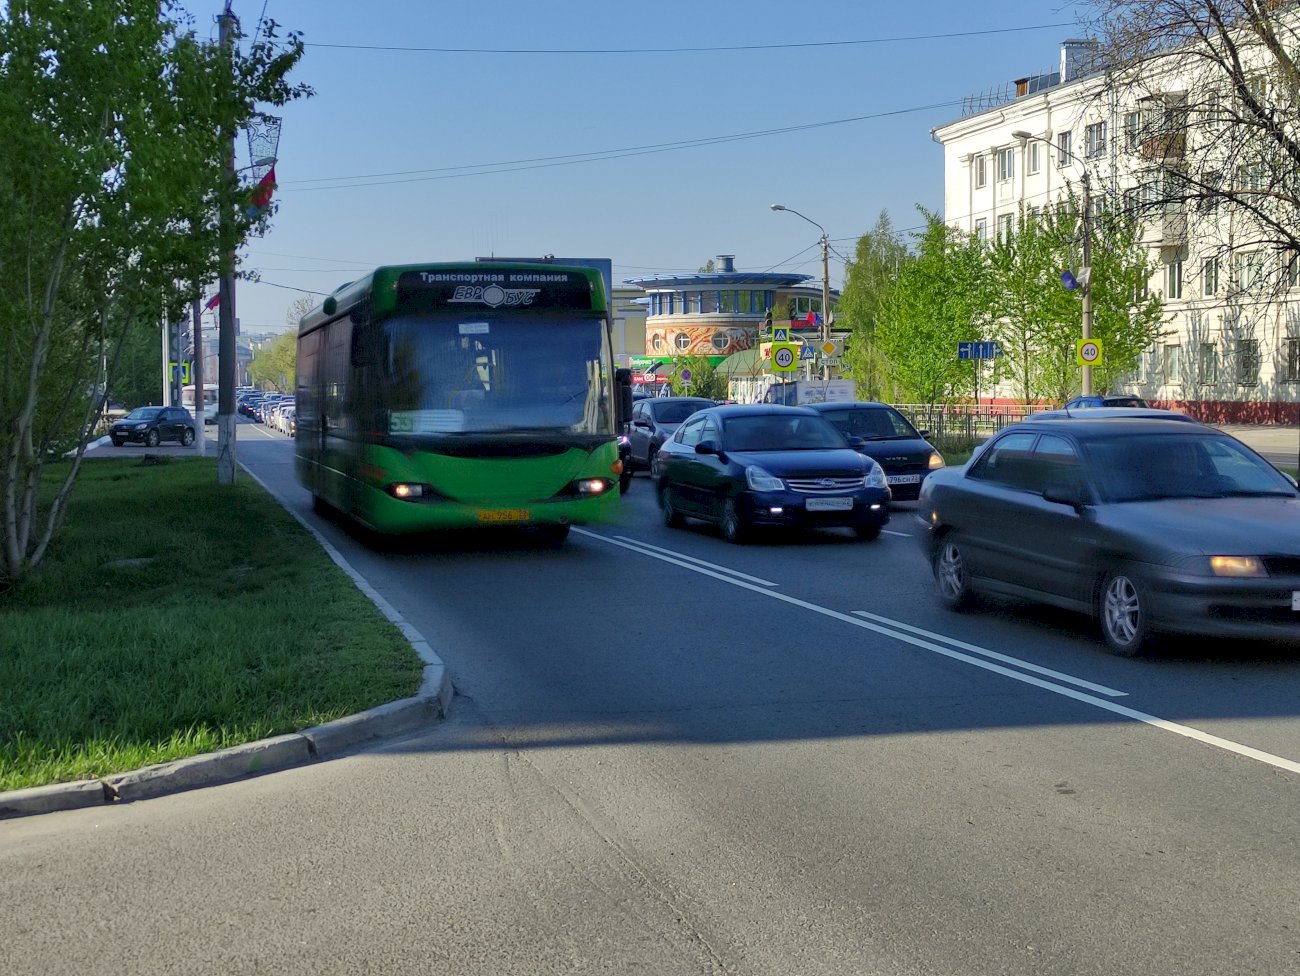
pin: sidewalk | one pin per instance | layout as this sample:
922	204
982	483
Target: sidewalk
1279	443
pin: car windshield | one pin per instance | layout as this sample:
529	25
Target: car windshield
774	432
871	423
675	413
144	413
1144	467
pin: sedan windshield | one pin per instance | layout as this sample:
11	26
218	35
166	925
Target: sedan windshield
781	432
871	423
497	373
1194	465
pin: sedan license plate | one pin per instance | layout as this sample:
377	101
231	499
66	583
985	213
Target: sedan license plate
829	504
903	479
504	515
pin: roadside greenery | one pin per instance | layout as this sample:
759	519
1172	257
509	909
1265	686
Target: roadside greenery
275	365
169	620
118	119
908	312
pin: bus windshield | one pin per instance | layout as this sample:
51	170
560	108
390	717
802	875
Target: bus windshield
491	373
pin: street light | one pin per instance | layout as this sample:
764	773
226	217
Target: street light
826	283
1085	271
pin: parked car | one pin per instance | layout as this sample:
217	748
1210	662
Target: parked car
768	465
1148	524
653	421
1097	413
152	425
1118	400
891	440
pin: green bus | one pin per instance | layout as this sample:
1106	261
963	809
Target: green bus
455	395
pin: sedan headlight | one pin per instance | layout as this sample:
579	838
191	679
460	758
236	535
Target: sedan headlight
1241	567
760	480
936	460
876	476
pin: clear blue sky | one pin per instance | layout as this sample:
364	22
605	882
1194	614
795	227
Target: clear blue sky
456	116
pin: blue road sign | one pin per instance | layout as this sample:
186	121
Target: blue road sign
964	350
807	354
978	350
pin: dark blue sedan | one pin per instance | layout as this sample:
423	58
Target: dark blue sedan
767	465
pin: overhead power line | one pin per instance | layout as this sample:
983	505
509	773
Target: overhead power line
692	50
548	162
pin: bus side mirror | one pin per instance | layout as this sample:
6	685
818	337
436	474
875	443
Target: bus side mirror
623	396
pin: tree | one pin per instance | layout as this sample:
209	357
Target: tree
705	380
276	363
869	279
299	307
939	300
110	186
1214	85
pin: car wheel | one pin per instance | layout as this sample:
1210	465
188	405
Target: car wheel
668	503
950	579
734	528
152	438
625	480
867	532
1124	609
187	437
118	442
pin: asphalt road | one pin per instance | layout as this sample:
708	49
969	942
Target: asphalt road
671	755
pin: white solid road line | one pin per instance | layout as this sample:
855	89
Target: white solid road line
1185	731
692	559
1005	659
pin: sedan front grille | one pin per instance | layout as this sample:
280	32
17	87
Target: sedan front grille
826	486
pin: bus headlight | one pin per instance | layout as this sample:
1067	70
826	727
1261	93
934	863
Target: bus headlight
591	486
406	490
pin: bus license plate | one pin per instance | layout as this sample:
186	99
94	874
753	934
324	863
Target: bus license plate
504	515
829	504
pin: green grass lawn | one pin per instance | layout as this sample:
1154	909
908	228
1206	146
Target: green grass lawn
175	616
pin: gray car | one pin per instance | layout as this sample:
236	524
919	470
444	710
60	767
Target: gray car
1150	525
654	420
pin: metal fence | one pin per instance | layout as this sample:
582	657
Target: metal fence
966	421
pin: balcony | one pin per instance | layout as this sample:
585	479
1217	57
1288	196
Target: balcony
1164	146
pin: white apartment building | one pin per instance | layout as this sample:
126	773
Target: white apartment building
1230	349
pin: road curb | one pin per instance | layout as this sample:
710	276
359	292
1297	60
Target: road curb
428	705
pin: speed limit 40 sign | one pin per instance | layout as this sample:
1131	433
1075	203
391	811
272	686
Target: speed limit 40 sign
1087	352
785	357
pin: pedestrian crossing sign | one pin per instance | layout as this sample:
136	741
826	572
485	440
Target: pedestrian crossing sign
781	335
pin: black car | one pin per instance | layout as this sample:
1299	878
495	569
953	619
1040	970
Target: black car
768	465
654	420
1116	400
1147	524
152	425
891	441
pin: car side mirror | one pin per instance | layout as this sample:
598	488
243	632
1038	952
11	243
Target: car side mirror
708	447
857	443
1066	493
925	434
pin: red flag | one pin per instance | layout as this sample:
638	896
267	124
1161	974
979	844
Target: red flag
213	302
261	195
814	318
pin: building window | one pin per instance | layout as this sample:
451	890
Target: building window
1174	280
1291	269
1292	361
1004	228
657	342
1207	363
1133	131
1249	269
1006	164
1094	140
1173	365
1064	148
981	171
682	340
982	230
1210	277
1248	362
1032	162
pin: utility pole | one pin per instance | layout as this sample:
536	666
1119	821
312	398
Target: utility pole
826	303
226	308
196	375
1085	273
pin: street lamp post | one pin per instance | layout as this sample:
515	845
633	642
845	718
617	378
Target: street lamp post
1085	271
826	283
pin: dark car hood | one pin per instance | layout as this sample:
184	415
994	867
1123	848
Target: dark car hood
1211	526
907	450
831	463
